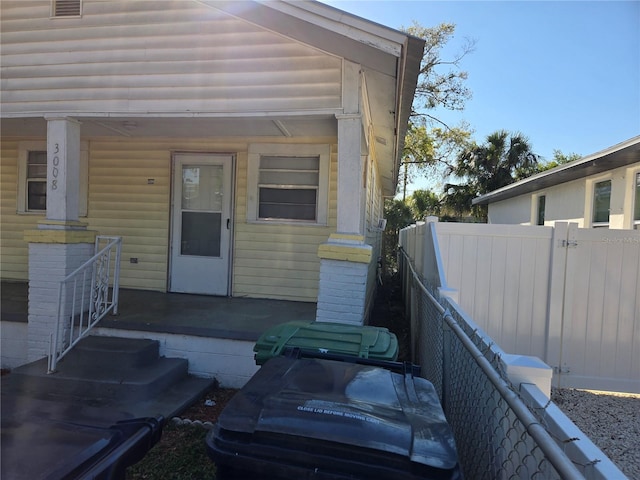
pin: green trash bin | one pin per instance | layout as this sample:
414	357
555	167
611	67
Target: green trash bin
376	343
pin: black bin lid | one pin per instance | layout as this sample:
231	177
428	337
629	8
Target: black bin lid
51	440
320	402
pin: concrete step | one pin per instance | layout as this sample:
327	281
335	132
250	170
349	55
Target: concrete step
91	380
120	374
114	352
173	401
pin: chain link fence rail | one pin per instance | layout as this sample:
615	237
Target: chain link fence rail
498	434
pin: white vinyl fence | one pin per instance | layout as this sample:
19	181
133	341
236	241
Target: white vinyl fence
566	295
497	404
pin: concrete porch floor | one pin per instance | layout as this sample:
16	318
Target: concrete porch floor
197	315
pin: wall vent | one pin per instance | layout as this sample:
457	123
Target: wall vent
67	8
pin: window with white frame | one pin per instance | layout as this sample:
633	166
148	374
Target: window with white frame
288	183
32	177
636	204
601	203
36	191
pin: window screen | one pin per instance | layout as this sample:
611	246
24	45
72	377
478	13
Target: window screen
288	187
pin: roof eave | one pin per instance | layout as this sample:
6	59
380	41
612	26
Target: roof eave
619	155
408	81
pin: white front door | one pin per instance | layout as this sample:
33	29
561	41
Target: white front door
201	224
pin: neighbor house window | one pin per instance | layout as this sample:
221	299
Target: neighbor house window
601	203
66	8
542	199
636	207
288	183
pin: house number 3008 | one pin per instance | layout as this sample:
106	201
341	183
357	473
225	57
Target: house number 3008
56	162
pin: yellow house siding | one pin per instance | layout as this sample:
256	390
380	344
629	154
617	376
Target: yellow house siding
332	216
141	57
14	251
14	263
273	258
279	260
240	211
129	196
375	212
123	202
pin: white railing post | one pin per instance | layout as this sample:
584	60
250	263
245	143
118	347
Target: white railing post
95	303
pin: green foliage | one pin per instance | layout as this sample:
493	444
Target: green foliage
419	147
398	215
430	143
424	203
427	151
503	159
559	158
437	88
457	200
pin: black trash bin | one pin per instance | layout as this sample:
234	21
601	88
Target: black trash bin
313	418
51	440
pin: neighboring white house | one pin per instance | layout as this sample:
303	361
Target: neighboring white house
238	148
599	190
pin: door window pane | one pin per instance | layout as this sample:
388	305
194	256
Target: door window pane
202	188
201	234
601	201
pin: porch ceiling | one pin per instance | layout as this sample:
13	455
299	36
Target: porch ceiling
182	127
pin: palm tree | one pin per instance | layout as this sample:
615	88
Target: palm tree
424	203
503	159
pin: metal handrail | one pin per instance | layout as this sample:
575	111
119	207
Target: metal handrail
83	301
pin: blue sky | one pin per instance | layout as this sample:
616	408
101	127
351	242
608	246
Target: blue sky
565	74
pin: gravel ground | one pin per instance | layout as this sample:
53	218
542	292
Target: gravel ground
610	420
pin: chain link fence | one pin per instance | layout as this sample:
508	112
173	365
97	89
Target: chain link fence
497	435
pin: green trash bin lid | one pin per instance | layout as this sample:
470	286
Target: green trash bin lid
325	337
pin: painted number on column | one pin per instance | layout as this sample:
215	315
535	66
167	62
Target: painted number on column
56	162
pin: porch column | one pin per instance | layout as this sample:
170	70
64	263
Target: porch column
344	269
350	175
63	169
61	243
345	257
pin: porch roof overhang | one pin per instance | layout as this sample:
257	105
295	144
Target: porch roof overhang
619	155
381	50
387	57
180	125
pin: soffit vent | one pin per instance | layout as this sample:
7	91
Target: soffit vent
67	8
